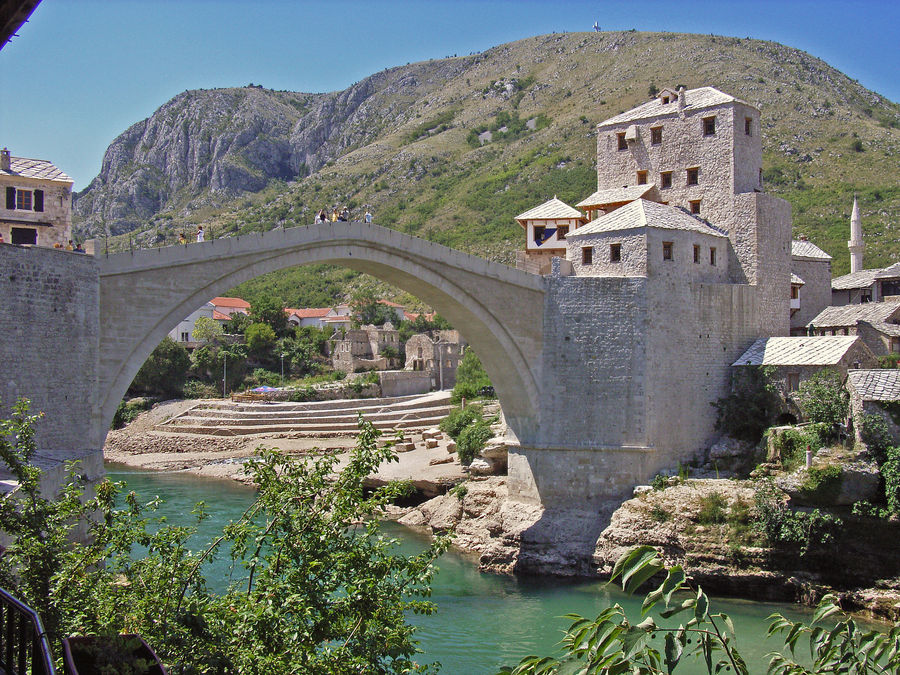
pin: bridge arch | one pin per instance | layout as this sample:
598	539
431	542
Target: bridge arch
498	310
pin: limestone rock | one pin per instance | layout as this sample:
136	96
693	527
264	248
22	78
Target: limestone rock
441	460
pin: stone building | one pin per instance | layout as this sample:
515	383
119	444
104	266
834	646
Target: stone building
877	323
438	353
810	283
366	348
684	263
36	206
796	359
874	392
862	285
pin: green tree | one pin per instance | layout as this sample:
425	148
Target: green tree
822	398
367	310
207	330
164	371
238	323
270	312
471	377
323	591
260	341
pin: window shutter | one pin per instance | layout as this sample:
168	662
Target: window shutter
11	198
38	200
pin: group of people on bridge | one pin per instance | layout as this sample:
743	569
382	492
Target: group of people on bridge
342	216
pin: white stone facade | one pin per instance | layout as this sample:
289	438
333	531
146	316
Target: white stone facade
35	202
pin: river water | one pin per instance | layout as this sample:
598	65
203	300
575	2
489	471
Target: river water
483	620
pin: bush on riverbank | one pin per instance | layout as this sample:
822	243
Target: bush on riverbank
322	592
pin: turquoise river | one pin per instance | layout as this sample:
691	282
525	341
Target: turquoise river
483	620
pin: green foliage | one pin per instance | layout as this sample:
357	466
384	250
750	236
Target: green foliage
808	530
459	491
421	325
876	436
791	444
129	410
822	484
659	514
890	473
238	323
164	371
435	125
207	330
751	407
322	590
713	509
822	398
270	311
471	378
260	377
368	311
260	339
652	90
472	440
459	418
198	389
889	360
612	644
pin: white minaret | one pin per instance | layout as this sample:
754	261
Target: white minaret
856	241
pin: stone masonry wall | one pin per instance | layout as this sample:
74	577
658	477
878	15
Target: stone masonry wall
57	210
815	293
49	351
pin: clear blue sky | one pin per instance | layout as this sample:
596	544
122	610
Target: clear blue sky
82	71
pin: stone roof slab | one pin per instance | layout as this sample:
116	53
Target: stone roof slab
797	351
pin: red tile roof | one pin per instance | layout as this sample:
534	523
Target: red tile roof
308	313
219	316
230	302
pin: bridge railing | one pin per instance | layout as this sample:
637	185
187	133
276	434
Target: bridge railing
24	648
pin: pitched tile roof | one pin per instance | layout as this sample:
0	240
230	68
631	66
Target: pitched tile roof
230	302
807	249
626	193
891	272
34	168
861	279
641	213
694	99
876	385
308	312
796	281
219	316
797	351
849	315
549	210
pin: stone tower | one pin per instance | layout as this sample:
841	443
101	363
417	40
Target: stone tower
856	241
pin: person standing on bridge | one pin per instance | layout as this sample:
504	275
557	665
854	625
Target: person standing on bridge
368	216
334	215
199	233
345	215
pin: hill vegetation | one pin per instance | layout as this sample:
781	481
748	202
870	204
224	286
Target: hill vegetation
452	149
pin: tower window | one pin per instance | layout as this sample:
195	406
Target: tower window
655	135
697	253
641	177
615	253
693	176
620	138
748	126
709	126
667	250
538	234
665	179
562	231
587	255
665	100
712	256
695	206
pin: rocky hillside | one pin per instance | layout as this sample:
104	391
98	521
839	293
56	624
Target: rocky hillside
453	149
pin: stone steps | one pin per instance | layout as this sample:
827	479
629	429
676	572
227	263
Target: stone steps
324	419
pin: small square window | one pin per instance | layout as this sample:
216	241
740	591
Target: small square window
665	100
641	177
615	253
23	200
667	250
620	139
562	231
587	255
695	206
696	253
712	256
693	176
665	179
655	135
539	234
748	126
709	126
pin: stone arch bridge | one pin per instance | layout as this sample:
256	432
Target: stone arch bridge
498	309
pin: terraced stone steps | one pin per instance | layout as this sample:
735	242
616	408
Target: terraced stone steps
319	418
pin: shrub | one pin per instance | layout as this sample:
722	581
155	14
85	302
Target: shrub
470	378
751	407
472	440
164	371
659	514
128	411
822	398
459	419
712	509
261	377
780	525
198	389
876	436
791	444
889	360
890	472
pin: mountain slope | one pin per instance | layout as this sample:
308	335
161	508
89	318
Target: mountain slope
407	142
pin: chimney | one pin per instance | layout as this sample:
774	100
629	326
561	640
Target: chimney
4	160
681	101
